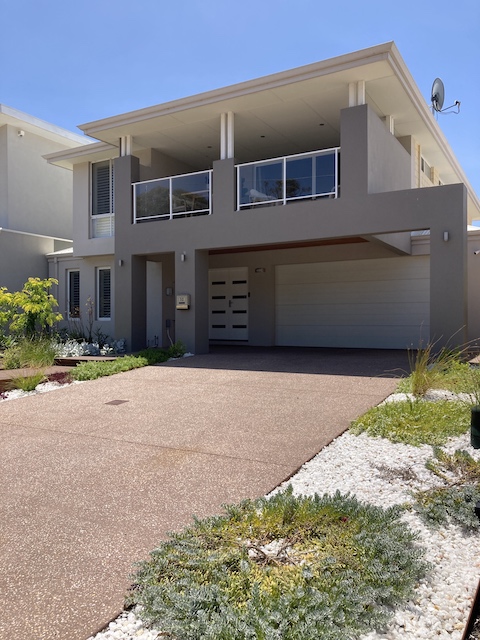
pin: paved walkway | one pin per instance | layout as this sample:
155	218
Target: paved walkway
94	475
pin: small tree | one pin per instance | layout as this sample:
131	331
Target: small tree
34	307
7	308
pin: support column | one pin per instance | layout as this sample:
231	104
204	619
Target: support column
129	279
191	277
449	282
227	135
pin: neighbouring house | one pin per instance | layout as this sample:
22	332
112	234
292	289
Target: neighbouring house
320	206
35	197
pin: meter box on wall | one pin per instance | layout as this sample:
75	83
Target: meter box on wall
183	301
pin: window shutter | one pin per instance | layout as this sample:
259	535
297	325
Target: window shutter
74	294
104	284
102	173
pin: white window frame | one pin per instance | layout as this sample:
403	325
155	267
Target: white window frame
99	292
69	294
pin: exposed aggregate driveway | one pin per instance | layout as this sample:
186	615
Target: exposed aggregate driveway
95	474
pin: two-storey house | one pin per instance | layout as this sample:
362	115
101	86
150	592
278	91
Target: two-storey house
320	206
35	197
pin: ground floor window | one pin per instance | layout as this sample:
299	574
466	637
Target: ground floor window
104	293
73	294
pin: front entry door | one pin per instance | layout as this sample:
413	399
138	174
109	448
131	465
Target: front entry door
228	308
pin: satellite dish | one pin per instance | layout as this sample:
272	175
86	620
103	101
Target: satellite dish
438	94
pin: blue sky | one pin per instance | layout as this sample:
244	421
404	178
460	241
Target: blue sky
73	62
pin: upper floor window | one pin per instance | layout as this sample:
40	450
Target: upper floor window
426	168
103	206
73	293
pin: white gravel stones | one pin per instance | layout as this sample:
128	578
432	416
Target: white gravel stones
44	387
359	465
362	466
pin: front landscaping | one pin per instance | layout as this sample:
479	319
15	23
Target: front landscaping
294	566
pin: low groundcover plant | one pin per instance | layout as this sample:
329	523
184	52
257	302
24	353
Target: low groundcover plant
415	422
455	500
282	567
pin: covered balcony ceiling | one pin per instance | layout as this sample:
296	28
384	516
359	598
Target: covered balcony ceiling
285	113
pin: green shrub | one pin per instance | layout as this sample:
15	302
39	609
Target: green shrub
281	567
27	352
94	370
28	383
154	355
176	350
415	422
11	358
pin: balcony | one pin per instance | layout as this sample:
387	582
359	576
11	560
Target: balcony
280	180
270	182
174	197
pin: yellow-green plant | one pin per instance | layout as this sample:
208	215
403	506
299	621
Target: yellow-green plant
34	307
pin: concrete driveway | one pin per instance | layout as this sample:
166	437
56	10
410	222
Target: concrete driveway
95	474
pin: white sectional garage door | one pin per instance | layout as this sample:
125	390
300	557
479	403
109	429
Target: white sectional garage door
382	303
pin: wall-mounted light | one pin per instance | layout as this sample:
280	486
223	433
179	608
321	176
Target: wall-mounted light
446	236
183	257
260	270
120	263
169	291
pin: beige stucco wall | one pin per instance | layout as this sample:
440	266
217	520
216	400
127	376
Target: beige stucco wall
22	256
35	197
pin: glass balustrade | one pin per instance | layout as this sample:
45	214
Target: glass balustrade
281	180
173	197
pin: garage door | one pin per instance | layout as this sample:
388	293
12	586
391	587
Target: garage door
383	303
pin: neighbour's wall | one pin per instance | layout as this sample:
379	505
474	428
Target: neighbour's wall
38	194
474	287
3	177
22	256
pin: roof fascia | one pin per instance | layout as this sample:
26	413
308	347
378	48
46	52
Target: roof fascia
45	129
67	157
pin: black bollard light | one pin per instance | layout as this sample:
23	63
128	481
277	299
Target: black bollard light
475	428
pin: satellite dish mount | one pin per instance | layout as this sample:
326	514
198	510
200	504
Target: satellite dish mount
438	97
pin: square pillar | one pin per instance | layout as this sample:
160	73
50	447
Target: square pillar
191	277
